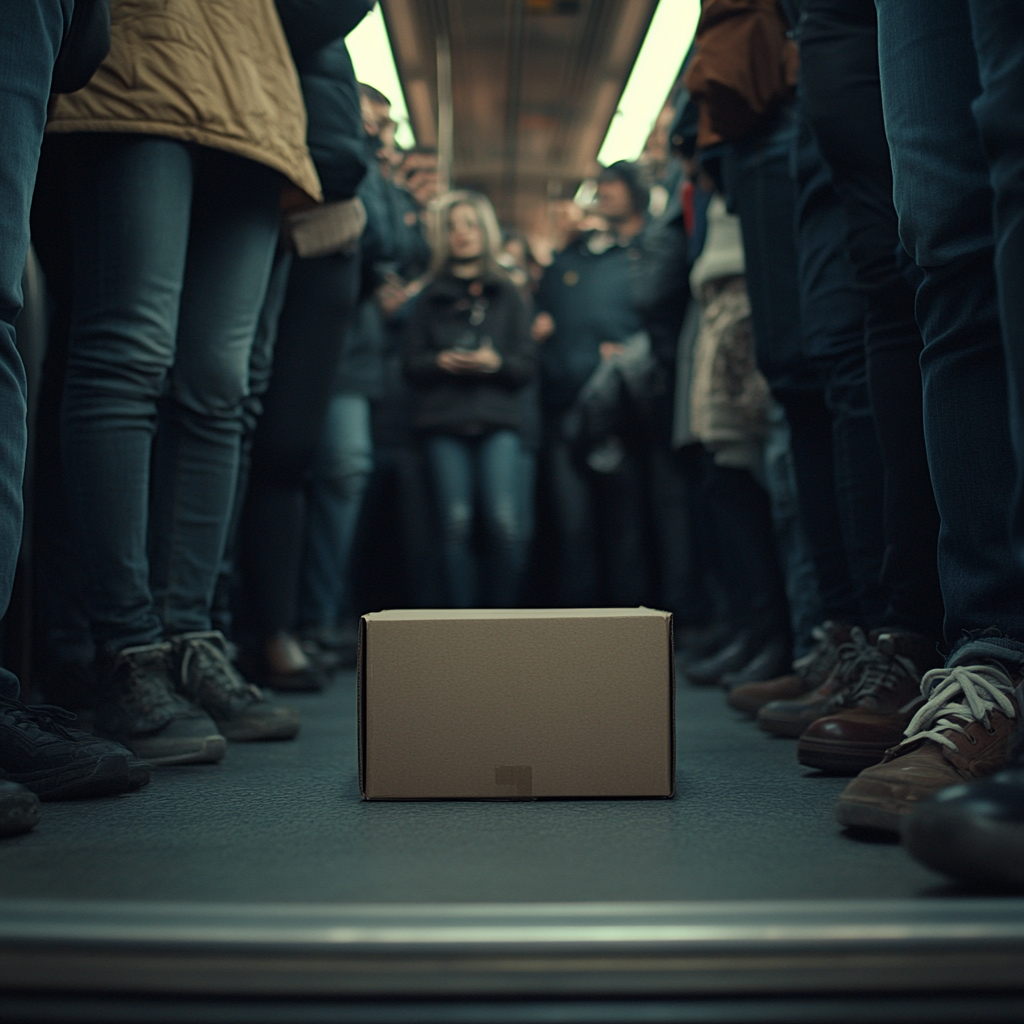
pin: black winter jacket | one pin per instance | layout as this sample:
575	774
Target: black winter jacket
449	316
316	31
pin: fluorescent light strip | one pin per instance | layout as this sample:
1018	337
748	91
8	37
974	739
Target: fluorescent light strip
370	49
654	73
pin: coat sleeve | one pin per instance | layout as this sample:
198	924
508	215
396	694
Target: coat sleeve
312	24
518	350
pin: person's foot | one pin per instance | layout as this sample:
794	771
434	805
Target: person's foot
809	672
730	658
242	712
773	658
288	669
701	642
878	708
142	711
959	734
39	751
792	717
19	809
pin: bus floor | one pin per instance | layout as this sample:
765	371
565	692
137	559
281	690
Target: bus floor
284	822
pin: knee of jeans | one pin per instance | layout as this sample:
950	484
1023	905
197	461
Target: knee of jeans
506	522
457	519
216	395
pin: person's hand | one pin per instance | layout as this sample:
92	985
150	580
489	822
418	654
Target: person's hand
543	327
483	360
610	349
392	295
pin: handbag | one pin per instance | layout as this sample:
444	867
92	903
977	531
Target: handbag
325	229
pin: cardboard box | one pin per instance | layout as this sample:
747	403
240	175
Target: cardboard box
516	704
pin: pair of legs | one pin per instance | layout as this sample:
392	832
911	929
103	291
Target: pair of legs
808	322
335	497
172	248
28	48
484	473
843	103
943	194
318	303
599	523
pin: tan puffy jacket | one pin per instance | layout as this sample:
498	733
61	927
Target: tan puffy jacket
215	72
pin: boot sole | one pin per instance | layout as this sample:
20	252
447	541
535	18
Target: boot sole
178	750
871	815
839	759
256	731
20	814
106	776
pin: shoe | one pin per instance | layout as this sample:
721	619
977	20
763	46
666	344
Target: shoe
974	833
205	676
774	658
142	711
700	643
40	752
958	735
730	658
287	668
792	717
877	709
19	809
809	672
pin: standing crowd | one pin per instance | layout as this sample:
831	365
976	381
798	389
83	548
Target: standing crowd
769	380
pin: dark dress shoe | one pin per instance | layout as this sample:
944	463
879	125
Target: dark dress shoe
974	833
697	644
770	662
731	658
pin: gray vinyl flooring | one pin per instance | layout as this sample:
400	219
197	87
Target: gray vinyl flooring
284	822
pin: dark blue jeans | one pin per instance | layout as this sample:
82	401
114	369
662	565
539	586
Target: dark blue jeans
334	499
944	199
31	37
809	323
999	113
173	246
483	471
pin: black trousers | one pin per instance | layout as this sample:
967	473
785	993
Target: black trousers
318	305
843	103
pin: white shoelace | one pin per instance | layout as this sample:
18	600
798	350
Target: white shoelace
967	692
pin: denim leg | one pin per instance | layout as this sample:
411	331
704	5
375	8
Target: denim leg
943	197
452	462
334	500
499	461
131	198
999	114
832	314
842	100
31	37
231	246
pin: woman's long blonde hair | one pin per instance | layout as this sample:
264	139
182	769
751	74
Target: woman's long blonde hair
440	224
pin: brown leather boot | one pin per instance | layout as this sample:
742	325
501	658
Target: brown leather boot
877	709
960	734
809	672
791	717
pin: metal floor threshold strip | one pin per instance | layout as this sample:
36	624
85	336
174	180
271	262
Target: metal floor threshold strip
523	951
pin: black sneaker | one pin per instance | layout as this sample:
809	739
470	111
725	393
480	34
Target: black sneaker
39	751
19	809
142	711
205	675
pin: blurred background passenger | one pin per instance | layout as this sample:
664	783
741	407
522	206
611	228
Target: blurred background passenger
321	292
469	354
173	159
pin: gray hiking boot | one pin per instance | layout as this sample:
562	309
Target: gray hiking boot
205	675
142	711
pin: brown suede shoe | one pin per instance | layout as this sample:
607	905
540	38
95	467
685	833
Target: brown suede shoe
876	710
809	672
791	717
960	734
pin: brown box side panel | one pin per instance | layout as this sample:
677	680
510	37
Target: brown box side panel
361	703
518	708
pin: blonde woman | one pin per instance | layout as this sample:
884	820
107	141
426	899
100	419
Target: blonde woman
469	354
